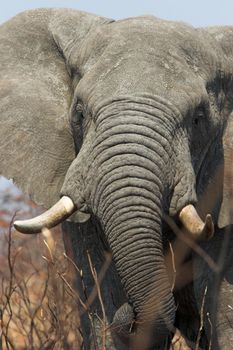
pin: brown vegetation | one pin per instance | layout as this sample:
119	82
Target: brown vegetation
38	308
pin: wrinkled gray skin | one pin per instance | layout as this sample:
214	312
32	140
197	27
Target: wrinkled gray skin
127	119
216	288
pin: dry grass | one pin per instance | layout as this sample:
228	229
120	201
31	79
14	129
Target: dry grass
38	310
39	304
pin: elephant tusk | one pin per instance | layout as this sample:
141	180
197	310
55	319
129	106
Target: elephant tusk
52	217
194	224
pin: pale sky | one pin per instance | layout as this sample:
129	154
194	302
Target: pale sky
195	12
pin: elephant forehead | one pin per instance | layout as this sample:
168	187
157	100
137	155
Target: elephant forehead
146	55
153	40
6	87
117	75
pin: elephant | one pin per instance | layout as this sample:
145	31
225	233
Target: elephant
119	127
215	287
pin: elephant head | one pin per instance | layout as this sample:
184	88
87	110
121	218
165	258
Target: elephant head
123	120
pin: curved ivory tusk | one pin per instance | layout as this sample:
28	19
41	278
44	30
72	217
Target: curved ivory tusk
52	217
194	224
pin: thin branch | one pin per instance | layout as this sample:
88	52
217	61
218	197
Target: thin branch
201	319
173	266
104	321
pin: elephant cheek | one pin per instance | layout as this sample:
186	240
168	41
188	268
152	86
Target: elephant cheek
184	192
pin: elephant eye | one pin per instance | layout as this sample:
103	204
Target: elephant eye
77	126
78	116
199	117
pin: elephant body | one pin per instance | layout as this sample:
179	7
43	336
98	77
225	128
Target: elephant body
78	239
130	123
213	288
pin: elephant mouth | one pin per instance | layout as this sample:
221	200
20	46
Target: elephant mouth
65	207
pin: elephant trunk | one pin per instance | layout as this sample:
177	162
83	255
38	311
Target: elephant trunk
131	217
128	200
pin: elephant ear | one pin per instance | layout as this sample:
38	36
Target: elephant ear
224	36
36	145
226	211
